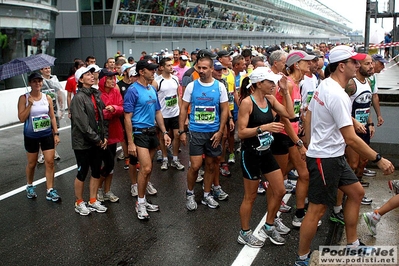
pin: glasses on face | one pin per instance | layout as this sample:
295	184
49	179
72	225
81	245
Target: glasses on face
350	60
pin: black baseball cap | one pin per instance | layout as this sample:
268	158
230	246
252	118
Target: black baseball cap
34	75
148	64
106	73
225	53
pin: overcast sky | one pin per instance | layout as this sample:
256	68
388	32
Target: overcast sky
355	11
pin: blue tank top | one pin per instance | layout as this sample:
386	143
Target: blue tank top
205	108
38	124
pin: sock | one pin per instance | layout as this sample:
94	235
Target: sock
217	187
48	190
92	200
134	185
79	201
377	215
190	192
354	244
337	209
141	200
29	185
165	159
268	226
300	213
175	158
304	257
206	194
244	232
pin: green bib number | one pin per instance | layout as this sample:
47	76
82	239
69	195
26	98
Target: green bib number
205	114
171	101
41	123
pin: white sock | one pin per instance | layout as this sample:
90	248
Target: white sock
141	200
165	159
48	190
190	191
217	187
206	194
304	257
337	209
377	216
174	158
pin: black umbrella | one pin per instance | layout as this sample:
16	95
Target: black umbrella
24	65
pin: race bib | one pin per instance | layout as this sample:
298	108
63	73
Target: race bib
362	115
265	140
205	114
309	96
41	123
171	101
297	107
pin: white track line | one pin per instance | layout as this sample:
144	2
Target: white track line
21	124
248	254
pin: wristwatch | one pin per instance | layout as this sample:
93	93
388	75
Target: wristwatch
56	133
259	130
377	158
181	132
165	132
299	143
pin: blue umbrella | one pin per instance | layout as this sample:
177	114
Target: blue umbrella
24	65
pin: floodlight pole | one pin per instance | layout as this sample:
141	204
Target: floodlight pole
367	27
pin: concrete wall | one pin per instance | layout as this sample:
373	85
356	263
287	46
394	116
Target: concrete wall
9	104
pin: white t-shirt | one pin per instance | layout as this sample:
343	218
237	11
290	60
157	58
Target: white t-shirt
168	96
331	110
308	85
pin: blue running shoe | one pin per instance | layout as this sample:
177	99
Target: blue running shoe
30	192
53	195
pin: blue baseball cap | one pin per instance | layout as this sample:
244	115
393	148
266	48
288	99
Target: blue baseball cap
378	57
217	65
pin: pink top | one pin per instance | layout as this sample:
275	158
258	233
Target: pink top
296	101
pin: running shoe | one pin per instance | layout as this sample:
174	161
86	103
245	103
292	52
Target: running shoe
121	156
190	202
40	158
238	150
53	195
151	207
30	192
284	207
219	194
111	196
394	186
159	156
232	158
199	178
337	217
151	189
82	208
272	234
201	171
366	201
96	206
141	211
126	166
292	175
164	165
305	262
224	169
210	202
297	222
176	164
56	156
261	189
280	227
371	222
100	195
289	186
368	172
364	183
247	238
133	190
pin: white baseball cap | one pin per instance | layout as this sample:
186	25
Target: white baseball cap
343	52
83	70
262	73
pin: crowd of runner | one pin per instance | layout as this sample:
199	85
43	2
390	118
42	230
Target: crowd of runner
299	120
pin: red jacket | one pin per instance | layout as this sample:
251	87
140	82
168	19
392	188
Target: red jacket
114	98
